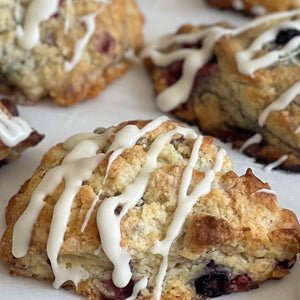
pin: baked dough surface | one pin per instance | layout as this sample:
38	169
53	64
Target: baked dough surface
237	229
38	73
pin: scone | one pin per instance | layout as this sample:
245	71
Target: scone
240	84
15	133
65	50
147	210
255	7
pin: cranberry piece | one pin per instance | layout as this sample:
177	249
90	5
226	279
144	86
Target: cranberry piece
106	43
285	35
212	285
55	16
116	293
241	283
197	45
174	73
205	71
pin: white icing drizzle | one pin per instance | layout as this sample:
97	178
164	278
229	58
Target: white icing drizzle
268	191
113	156
77	172
248	66
255	139
245	62
13	130
238	4
140	285
219	160
194	59
77	166
18	12
258	10
90	211
96	252
89	21
106	218
37	12
74	140
184	206
127	137
68	16
131	56
276	163
282	102
297	130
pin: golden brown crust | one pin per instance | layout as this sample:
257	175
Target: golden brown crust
234	225
205	231
78	88
42	74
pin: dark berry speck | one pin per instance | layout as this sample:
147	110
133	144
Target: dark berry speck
285	35
212	285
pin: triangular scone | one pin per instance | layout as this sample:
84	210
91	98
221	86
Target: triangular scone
189	226
239	84
16	135
67	51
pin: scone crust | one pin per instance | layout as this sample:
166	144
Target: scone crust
29	76
245	218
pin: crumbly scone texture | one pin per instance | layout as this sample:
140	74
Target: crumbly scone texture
232	227
29	76
227	104
255	7
8	154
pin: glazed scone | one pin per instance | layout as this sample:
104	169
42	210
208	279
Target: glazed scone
147	210
239	84
65	50
255	7
15	133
